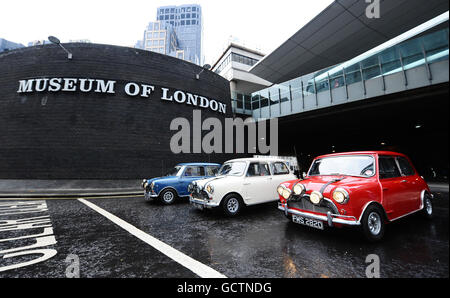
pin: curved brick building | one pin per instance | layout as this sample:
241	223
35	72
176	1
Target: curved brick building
105	113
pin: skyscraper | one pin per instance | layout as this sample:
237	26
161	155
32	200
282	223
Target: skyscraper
187	23
6	45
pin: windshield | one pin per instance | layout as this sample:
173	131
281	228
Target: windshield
361	166
174	171
233	169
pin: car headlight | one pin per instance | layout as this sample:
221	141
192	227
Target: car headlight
286	193
210	189
145	184
316	197
152	185
298	189
280	190
340	195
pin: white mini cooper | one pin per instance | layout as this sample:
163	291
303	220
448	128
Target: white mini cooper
239	183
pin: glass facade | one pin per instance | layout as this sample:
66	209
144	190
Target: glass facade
187	23
236	58
419	51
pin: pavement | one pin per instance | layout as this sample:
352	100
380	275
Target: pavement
12	188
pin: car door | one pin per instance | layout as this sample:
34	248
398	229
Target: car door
257	184
280	173
411	180
190	174
393	186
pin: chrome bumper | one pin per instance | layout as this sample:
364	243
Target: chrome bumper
149	196
202	204
329	218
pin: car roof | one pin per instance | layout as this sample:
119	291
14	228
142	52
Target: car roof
362	153
256	159
198	164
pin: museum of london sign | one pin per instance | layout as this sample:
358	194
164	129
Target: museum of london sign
109	87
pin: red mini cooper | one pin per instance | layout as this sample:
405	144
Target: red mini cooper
367	189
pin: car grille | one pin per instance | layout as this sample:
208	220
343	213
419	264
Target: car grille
197	193
304	203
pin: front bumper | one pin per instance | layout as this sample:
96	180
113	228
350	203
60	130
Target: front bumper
150	195
202	204
328	218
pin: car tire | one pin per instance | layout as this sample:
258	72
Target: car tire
373	223
232	205
427	207
168	197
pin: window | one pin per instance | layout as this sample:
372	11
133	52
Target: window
388	167
183	15
194	172
243	59
353	74
258	169
405	167
279	168
322	85
194	15
212	170
233	168
436	46
337	79
188	22
156	26
194	8
371	67
412	54
188	16
167	10
182	23
351	165
390	61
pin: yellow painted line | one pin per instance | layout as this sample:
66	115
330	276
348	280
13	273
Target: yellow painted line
71	198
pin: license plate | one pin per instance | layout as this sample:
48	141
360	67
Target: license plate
307	222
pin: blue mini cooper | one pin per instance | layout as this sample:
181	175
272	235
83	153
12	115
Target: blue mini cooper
175	183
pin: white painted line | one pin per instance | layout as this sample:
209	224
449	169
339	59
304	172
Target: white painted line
198	268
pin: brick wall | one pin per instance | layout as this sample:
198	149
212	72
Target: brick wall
71	135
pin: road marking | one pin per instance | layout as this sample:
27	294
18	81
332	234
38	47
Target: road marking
198	268
43	241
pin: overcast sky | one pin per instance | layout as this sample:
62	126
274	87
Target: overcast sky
259	24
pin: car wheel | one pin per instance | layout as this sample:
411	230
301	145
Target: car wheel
168	196
427	207
373	223
232	205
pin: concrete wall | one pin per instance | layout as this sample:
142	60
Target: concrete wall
70	135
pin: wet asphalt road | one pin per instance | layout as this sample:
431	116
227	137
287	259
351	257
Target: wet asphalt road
258	243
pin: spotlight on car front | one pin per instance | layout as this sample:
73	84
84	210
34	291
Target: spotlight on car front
298	189
340	195
286	193
316	197
280	190
210	189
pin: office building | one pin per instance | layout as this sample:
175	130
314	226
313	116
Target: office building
6	45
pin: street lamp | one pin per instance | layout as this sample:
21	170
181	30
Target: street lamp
56	41
205	67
